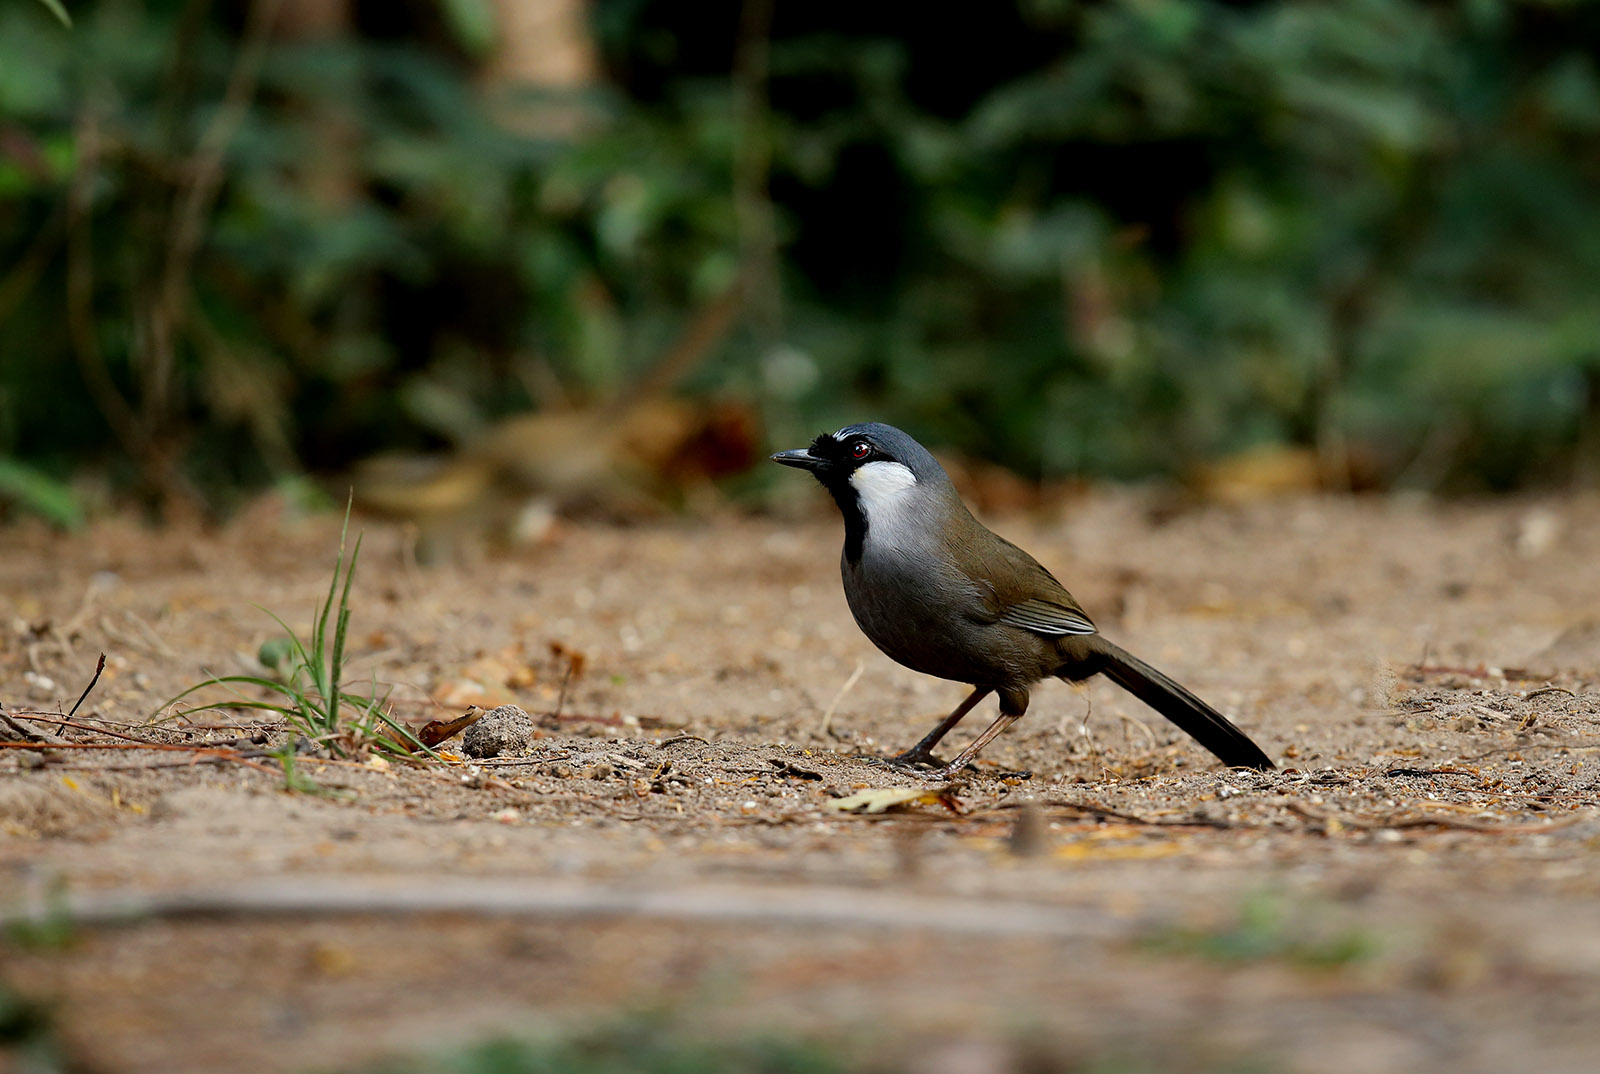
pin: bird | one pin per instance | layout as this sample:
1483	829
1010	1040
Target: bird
940	593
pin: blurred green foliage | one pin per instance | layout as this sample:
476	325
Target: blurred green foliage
1108	238
639	1045
1271	927
28	1040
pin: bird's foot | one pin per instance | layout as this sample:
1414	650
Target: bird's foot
954	772
912	758
941	772
931	769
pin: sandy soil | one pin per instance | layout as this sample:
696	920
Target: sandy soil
1415	888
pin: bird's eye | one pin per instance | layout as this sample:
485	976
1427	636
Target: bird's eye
861	450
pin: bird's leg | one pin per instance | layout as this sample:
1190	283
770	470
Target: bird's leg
963	758
922	752
1012	705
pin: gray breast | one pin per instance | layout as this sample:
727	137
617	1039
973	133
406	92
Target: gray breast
924	614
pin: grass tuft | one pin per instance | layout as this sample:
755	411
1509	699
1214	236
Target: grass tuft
308	689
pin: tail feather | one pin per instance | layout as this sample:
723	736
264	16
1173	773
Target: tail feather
1202	722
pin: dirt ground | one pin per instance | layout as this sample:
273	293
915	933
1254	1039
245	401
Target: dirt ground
1416	888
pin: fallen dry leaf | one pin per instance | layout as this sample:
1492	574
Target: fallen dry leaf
436	731
883	799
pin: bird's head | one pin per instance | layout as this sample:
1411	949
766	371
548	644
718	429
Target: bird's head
874	471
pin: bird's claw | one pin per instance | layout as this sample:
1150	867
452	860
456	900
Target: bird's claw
924	765
912	759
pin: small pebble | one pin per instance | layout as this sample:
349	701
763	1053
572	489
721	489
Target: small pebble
501	730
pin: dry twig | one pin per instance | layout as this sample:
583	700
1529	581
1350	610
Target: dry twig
802	907
29	734
825	729
1433	820
98	668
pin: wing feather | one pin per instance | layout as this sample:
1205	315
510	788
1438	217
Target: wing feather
1047	617
1016	590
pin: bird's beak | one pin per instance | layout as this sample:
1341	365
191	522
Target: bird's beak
800	457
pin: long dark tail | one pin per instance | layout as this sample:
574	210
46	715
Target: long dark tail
1208	727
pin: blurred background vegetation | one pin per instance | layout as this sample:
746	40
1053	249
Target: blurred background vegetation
245	240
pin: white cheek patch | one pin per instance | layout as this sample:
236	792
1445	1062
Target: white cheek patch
882	486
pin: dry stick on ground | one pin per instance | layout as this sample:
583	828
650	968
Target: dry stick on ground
169	746
1549	690
150	633
74	626
198	753
36	737
29	735
1575	799
505	762
1083	725
803	907
675	739
1487	792
648	723
99	666
561	699
1576	747
1482	671
1103	812
191	762
1429	821
61	721
825	729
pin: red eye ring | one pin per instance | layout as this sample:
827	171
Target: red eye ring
861	450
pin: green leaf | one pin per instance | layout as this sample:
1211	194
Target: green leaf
472	23
40	494
58	11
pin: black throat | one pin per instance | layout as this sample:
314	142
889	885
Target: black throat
835	477
855	517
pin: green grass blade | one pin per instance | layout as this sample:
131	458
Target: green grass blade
415	744
308	717
319	634
306	664
343	621
40	494
218	680
59	11
300	652
262	681
327	665
265	706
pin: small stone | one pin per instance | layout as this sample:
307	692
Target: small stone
40	687
500	730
